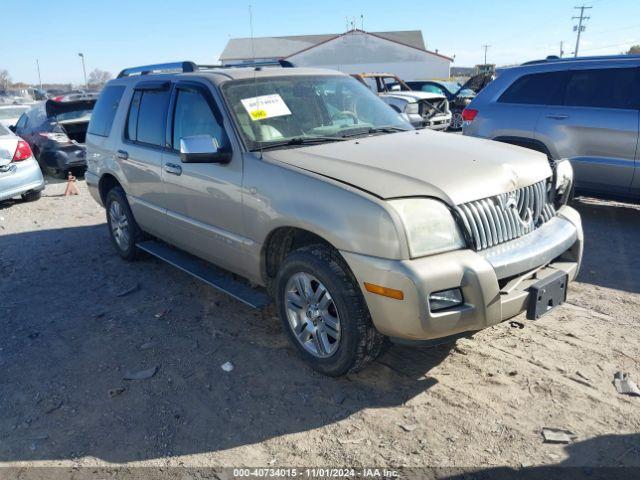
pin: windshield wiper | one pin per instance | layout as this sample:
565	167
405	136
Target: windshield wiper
369	130
299	141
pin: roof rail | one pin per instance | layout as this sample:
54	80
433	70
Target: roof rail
555	58
260	63
188	66
159	67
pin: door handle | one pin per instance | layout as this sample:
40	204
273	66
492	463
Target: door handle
557	116
122	155
173	168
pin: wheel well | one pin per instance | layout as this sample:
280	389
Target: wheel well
529	143
279	243
107	182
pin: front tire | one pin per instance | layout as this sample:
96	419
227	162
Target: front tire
123	229
32	196
324	312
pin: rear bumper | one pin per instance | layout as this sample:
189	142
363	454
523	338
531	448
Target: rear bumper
92	182
19	178
495	284
64	158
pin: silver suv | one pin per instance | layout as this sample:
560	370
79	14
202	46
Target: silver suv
584	109
305	183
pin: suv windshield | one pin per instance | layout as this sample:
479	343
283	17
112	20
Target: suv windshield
277	110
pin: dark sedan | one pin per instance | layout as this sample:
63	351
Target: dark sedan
56	131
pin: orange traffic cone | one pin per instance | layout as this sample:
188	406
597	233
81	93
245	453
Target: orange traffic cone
71	186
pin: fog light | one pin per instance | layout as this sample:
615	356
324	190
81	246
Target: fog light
445	299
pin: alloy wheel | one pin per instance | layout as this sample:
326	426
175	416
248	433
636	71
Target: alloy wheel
119	225
457	121
312	315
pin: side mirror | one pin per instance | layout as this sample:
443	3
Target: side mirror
202	149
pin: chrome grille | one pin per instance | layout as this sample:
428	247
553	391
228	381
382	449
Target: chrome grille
495	220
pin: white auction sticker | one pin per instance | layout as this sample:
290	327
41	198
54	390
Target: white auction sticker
265	106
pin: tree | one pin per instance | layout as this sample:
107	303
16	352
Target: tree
97	78
5	80
634	50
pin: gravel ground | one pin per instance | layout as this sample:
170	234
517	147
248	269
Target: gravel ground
70	333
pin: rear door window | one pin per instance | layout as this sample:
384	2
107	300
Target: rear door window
603	88
105	111
534	89
147	113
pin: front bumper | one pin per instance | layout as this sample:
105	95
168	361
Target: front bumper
20	177
439	122
494	283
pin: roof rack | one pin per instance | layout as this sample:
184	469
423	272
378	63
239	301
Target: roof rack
159	67
188	66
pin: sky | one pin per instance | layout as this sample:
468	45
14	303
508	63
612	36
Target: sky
115	34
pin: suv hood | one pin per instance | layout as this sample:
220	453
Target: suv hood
454	168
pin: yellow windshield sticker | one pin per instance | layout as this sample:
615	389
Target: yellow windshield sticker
265	106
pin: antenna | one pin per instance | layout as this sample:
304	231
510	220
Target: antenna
362	22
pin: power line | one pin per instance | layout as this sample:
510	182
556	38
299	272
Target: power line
580	28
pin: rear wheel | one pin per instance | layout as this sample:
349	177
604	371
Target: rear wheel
324	313
123	229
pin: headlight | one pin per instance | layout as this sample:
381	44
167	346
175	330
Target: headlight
412	108
429	225
562	182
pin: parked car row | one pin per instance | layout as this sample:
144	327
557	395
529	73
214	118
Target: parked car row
358	226
586	110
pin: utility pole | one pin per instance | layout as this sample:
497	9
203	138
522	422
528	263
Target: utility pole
579	28
561	48
84	70
486	47
39	77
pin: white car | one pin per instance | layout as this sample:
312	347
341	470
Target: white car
20	174
9	114
423	109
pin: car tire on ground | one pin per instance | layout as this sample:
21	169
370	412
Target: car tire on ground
123	229
324	312
32	196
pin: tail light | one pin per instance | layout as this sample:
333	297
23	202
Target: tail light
23	151
59	98
468	114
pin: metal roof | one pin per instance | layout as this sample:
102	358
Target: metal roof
282	47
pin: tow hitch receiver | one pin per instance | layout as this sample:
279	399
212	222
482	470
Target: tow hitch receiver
547	294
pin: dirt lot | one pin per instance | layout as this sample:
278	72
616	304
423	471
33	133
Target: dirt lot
69	333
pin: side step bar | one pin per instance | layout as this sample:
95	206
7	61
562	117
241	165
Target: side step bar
216	277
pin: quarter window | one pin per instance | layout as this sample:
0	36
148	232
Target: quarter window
193	116
22	121
533	89
146	120
105	111
603	88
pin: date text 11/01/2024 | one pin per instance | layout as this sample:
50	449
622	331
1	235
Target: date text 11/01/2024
315	472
